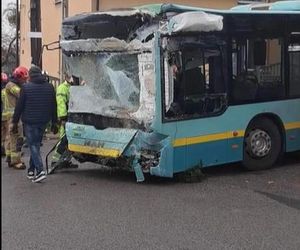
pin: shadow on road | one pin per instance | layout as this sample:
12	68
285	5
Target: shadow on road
116	175
237	168
119	175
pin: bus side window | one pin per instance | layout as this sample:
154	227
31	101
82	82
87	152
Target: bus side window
257	70
294	58
199	88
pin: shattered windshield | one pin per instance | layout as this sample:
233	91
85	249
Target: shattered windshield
111	84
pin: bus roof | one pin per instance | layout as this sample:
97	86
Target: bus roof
280	7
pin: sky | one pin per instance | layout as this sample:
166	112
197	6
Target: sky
5	2
3	6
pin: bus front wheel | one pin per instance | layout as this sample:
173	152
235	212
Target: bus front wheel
262	145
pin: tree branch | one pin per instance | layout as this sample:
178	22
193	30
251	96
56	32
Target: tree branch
8	50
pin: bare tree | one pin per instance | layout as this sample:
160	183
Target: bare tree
9	37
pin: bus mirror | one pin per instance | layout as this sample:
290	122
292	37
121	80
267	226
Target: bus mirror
260	52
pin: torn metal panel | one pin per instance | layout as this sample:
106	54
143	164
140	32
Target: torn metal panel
118	24
146	110
110	44
102	122
195	22
153	153
143	152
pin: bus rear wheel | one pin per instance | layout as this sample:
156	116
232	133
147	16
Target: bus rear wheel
262	145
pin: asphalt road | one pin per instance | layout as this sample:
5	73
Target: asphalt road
92	208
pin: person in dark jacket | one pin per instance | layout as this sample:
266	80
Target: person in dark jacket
36	107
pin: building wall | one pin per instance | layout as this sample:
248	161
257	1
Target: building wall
51	17
219	4
51	25
51	21
79	6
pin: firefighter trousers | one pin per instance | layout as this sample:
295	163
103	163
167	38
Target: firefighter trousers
13	144
4	132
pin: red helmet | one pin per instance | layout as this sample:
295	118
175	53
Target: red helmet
21	73
4	78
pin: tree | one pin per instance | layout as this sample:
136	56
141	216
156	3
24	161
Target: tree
9	37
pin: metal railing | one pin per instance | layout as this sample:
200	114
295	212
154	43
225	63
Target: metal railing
270	73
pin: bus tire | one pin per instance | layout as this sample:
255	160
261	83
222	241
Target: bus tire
262	145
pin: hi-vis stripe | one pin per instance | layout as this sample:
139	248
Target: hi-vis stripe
114	153
221	136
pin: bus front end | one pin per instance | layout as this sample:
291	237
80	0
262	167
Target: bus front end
112	109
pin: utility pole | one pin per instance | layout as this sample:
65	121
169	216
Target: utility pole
17	34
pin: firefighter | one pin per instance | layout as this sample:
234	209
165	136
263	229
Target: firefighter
4	114
62	99
14	140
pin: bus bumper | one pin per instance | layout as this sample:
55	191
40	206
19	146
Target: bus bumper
146	152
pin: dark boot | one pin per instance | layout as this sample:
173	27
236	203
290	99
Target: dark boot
2	151
8	160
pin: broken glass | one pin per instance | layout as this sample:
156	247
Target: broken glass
113	85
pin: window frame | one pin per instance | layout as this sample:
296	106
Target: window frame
225	74
291	40
284	67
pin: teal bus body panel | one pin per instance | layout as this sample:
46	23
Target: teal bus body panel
111	138
289	7
293	142
234	119
206	154
285	6
282	7
180	164
277	6
237	118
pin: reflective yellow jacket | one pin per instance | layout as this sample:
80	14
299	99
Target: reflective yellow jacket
12	92
62	99
5	113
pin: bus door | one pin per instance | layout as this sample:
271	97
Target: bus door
195	98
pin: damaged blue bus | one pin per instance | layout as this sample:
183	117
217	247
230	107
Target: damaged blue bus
170	88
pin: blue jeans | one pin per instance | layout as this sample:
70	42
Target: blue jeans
34	135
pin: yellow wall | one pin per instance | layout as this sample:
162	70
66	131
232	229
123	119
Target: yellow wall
219	4
79	6
51	26
51	22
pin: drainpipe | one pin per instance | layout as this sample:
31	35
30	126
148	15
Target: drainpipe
60	52
98	5
62	10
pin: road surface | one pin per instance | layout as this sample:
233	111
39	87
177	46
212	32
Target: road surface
92	208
